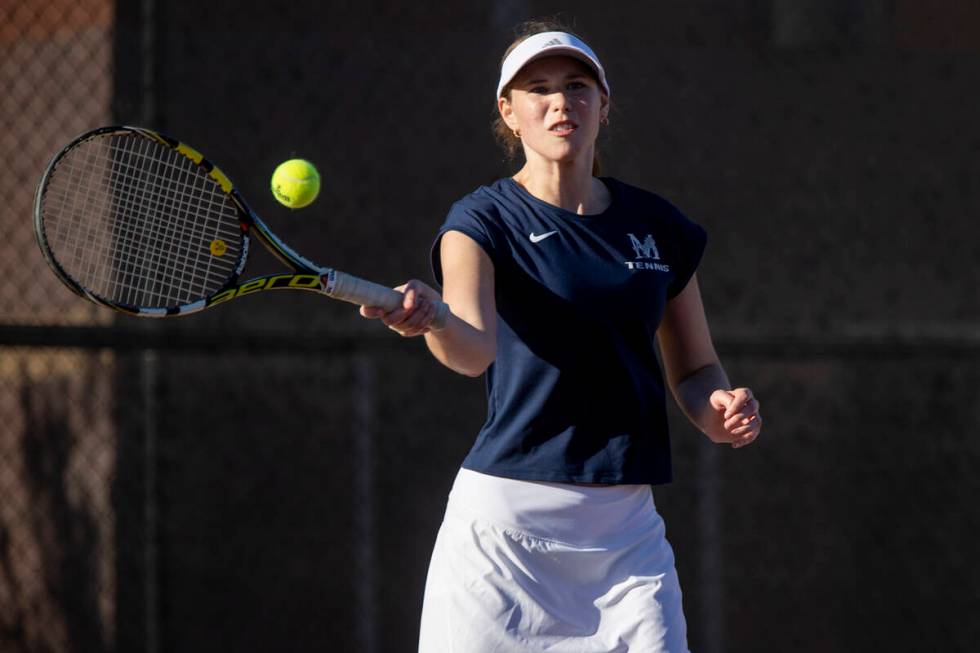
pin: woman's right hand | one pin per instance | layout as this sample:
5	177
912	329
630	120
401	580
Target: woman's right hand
414	317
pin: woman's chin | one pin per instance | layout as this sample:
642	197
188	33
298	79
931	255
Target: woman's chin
564	156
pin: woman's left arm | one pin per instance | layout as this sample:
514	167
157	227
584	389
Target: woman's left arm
697	379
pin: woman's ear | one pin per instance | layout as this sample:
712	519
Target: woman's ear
507	113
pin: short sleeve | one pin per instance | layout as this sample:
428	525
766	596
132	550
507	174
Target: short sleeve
471	220
692	239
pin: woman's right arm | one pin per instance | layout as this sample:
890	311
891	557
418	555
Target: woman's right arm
468	343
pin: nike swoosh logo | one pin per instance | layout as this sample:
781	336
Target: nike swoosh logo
538	239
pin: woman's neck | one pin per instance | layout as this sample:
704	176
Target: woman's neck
569	185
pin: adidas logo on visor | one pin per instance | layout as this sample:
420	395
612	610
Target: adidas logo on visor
551	43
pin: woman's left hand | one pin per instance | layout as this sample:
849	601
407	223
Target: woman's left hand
739	410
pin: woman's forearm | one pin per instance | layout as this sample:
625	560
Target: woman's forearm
693	394
462	347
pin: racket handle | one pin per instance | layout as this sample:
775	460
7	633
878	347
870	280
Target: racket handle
355	290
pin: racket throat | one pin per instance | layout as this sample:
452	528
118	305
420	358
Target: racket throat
288	281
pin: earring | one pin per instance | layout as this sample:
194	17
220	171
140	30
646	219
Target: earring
605	121
517	133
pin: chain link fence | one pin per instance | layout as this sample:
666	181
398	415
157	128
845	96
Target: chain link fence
56	76
270	475
59	560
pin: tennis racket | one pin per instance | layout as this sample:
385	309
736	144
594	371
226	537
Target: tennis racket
141	223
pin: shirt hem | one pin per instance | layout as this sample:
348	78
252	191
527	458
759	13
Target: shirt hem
563	476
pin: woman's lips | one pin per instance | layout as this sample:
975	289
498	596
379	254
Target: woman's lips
563	128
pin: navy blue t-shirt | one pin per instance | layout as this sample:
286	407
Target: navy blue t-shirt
575	393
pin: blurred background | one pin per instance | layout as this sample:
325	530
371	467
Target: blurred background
270	476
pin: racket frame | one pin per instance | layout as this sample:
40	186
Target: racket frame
303	275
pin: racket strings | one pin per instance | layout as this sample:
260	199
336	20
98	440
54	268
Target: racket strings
129	250
160	231
167	242
137	223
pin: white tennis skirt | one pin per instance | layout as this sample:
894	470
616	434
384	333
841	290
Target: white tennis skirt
534	566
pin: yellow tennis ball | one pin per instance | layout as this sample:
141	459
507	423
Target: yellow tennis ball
295	183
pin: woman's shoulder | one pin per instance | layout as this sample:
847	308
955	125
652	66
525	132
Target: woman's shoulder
635	198
486	198
493	204
638	196
484	208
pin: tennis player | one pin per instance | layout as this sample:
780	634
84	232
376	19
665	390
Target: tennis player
559	282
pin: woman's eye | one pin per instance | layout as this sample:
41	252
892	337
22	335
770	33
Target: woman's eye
538	89
575	86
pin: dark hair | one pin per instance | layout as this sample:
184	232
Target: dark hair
506	138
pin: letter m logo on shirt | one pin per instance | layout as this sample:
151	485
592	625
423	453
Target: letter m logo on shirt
645	249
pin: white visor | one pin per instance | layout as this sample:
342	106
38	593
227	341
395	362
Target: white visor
548	44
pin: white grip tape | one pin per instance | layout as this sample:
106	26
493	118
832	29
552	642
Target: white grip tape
355	290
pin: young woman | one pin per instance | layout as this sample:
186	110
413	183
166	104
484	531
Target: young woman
559	282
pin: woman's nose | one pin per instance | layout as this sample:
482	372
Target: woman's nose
560	101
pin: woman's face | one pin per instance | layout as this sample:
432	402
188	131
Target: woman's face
555	105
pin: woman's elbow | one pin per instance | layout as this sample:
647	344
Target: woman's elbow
472	365
473	372
466	369
477	366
